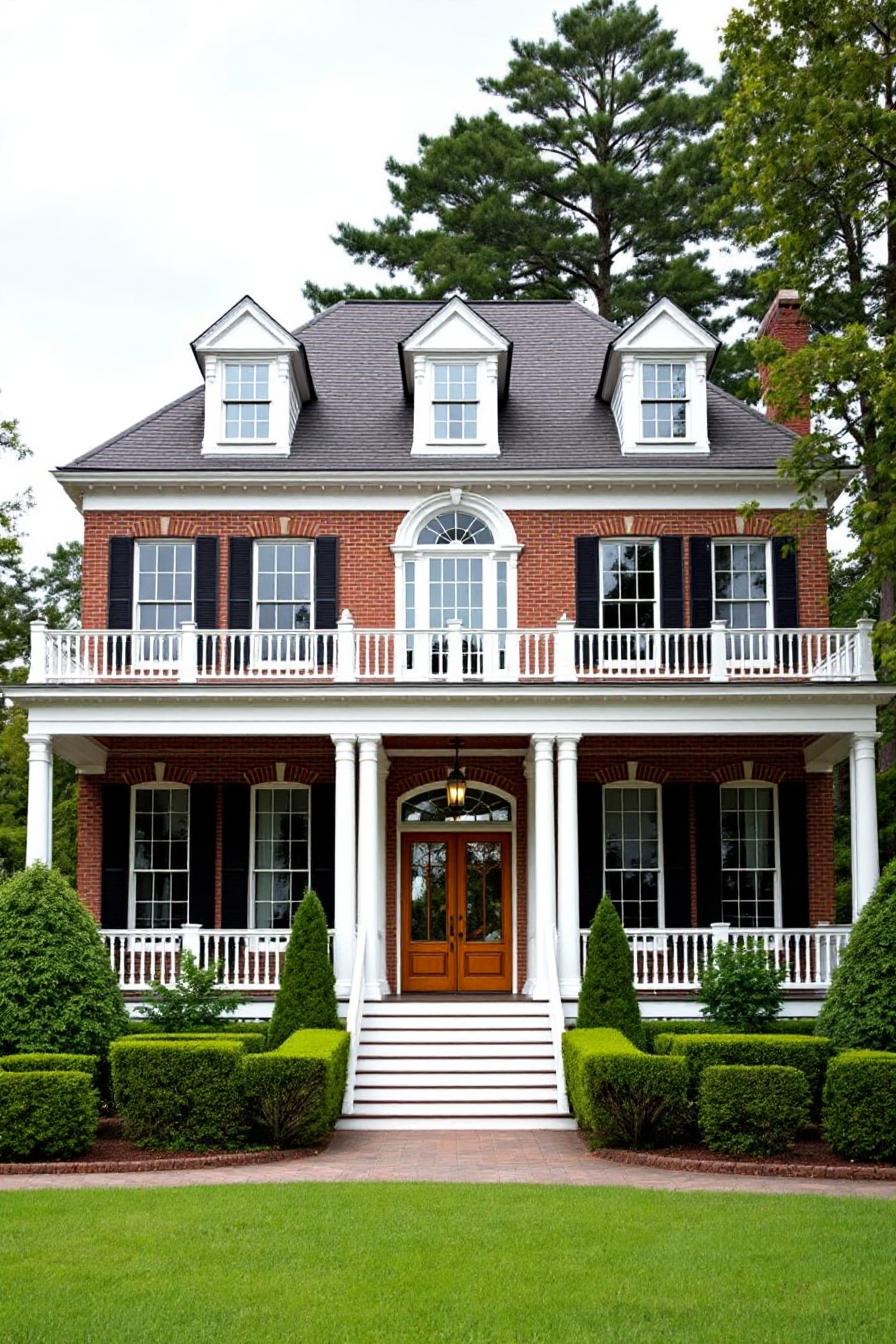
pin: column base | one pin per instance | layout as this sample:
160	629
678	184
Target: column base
343	989
569	989
373	991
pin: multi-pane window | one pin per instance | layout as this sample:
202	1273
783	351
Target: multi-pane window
664	400
628	585
741	584
164	587
632	862
281	853
284	578
749	865
455	525
455	401
160	857
247	402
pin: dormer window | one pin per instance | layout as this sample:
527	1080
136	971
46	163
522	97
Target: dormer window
664	401
455	402
247	402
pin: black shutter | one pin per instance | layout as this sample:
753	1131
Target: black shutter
587	580
676	856
701	582
116	855
202	855
671	583
323	841
235	856
121	583
326	582
794	854
784	583
591	850
239	584
707	807
205	606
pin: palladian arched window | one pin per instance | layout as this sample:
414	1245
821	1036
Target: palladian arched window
458	563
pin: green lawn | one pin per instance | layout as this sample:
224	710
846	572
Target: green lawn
397	1263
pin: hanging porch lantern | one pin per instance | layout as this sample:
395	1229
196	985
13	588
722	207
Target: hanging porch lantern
456	784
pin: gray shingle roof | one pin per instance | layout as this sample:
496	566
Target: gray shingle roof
361	420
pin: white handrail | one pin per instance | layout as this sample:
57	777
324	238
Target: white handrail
353	1018
558	1027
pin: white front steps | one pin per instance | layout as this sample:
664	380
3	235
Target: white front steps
455	1064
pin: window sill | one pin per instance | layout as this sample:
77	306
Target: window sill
455	448
245	448
665	448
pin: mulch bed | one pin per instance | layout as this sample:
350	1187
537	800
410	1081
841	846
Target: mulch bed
112	1153
809	1158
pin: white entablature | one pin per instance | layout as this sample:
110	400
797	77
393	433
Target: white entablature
654	378
256	381
456	367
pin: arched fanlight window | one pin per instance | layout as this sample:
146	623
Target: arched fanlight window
457	526
480	805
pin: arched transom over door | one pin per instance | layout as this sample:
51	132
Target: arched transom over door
456	885
456	563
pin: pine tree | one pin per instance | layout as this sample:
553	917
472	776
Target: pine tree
597	177
860	1009
307	993
607	997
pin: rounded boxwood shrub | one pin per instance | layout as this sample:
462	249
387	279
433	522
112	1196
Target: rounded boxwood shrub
607	997
307	993
46	1115
180	1094
58	991
47	1063
860	1009
859	1108
749	1110
809	1054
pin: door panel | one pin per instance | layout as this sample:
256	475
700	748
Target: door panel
456	924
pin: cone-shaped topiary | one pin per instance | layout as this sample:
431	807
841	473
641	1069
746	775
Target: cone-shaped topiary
58	991
607	997
860	1009
307	993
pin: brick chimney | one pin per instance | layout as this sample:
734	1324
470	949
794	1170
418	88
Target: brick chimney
784	322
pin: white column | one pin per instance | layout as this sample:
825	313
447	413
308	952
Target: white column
863	819
368	858
531	890
39	837
545	859
568	864
382	774
344	865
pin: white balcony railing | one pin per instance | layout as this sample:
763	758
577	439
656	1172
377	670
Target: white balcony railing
249	959
665	959
346	655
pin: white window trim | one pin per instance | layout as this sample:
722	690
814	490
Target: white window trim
154	785
135	580
685	439
223	440
629	541
271	784
282	541
769	578
477	441
486	443
661	858
755	784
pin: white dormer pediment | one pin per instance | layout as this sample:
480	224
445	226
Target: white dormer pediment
456	366
654	378
256	380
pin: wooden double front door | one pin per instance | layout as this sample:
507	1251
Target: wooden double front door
456	919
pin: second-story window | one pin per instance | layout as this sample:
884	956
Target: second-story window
247	402
284	596
628	585
740	584
455	401
664	400
164	588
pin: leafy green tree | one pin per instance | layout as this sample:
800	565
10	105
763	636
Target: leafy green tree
807	151
596	177
607	997
16	595
740	987
860	1009
58	991
58	585
307	993
194	1000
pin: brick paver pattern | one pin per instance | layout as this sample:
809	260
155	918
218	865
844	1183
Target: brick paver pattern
536	1157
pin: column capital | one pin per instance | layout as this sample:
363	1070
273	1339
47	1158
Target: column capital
568	744
864	744
40	745
344	742
369	746
543	745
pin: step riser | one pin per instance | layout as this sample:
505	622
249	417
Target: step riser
452	1108
457	1022
454	1036
449	1123
495	1097
454	1008
428	1078
371	1061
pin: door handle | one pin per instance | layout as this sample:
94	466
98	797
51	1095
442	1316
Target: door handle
460	930
450	926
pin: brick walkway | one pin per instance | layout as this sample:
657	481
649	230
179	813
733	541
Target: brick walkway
515	1157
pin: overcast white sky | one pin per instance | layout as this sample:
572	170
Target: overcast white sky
159	159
